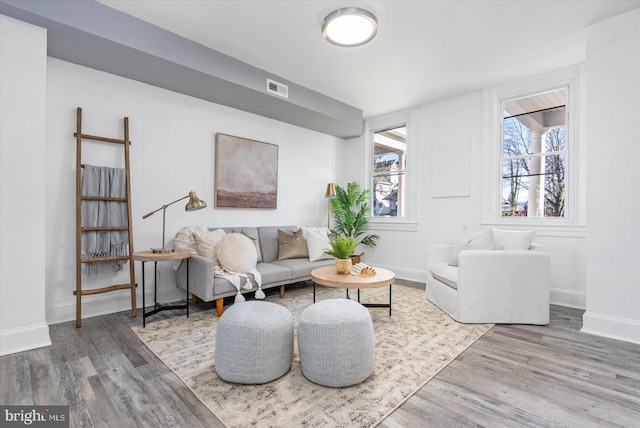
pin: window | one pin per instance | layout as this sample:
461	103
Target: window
389	167
532	152
534	155
390	171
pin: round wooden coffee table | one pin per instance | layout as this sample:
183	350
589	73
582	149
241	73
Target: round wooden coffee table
329	277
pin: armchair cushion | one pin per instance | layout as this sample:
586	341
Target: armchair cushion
513	239
446	273
468	240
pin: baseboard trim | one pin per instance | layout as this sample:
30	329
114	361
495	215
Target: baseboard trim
24	339
109	303
611	327
568	298
413	275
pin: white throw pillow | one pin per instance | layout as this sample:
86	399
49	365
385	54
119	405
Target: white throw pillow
207	241
323	230
185	238
513	240
468	240
236	253
317	242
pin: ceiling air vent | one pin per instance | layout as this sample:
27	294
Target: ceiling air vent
277	88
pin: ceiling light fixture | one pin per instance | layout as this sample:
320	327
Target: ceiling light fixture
349	26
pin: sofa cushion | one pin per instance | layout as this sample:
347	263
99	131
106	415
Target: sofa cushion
301	268
468	240
236	253
291	245
445	273
271	274
513	240
268	237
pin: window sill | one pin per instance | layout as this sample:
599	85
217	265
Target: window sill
393	225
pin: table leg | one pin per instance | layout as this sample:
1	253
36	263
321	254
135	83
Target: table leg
187	302
314	291
389	299
144	324
155	285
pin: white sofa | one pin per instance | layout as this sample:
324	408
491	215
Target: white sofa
490	285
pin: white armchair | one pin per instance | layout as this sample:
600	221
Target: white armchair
490	286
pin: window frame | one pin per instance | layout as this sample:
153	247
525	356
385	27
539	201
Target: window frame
406	118
493	142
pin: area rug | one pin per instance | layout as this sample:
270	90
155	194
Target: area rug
412	345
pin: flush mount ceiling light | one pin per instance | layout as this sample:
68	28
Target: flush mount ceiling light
349	26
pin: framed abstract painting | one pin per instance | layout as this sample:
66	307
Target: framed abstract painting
246	173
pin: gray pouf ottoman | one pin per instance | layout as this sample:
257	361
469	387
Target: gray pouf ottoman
254	342
336	342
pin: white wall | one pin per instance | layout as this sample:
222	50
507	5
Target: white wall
613	195
172	152
440	219
23	78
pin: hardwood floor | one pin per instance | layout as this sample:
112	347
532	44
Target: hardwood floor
515	375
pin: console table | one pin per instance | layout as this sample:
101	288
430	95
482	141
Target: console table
150	256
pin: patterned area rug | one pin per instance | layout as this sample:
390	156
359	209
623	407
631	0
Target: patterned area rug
412	345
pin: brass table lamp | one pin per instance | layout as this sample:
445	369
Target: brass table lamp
193	205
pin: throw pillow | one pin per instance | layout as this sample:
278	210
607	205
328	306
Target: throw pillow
513	240
185	238
236	252
306	229
206	242
317	242
468	240
291	246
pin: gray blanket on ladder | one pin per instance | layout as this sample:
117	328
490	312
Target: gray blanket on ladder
104	182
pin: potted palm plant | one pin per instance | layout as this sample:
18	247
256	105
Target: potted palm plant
350	210
342	248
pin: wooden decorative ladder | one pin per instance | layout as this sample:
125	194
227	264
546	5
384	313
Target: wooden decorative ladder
79	292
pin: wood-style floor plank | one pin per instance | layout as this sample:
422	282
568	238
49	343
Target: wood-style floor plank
521	376
514	376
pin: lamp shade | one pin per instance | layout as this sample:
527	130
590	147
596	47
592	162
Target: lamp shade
194	203
331	191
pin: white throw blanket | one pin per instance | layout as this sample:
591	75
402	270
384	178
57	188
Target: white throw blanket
234	279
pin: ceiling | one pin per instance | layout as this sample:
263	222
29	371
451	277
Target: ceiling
424	50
